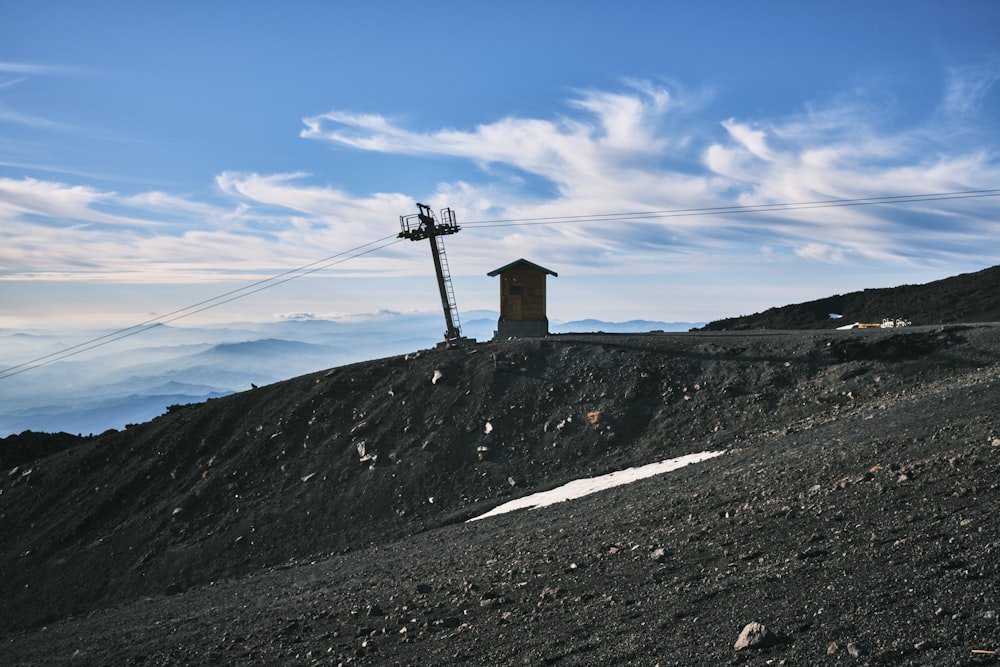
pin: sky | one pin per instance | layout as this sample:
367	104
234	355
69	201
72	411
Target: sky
255	157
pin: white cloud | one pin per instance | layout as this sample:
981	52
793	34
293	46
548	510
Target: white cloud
633	150
618	134
325	203
837	153
628	122
754	141
70	204
823	252
54	231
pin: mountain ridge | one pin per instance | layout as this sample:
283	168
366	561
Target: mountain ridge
966	298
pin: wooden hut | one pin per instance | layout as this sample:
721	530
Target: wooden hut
522	299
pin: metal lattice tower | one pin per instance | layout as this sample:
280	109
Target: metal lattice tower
420	226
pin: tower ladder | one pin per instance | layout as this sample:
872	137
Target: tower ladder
448	295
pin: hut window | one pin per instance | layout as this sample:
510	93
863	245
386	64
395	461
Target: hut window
516	290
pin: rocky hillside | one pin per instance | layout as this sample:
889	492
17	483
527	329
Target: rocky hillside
362	454
321	520
970	297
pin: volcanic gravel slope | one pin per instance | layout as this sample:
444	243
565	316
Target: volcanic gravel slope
320	520
966	298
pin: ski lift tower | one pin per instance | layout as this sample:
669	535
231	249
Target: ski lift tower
420	226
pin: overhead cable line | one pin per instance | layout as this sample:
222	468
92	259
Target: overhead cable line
724	210
385	241
181	313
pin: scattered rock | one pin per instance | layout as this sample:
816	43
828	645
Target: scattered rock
755	635
490	599
364	454
550	594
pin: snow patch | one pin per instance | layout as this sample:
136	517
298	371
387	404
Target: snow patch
584	487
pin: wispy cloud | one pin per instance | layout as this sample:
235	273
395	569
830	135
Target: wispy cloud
967	87
51	230
625	152
22	72
635	149
8	115
11	82
755	141
333	206
62	205
37	69
616	132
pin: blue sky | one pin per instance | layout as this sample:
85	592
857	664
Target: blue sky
155	155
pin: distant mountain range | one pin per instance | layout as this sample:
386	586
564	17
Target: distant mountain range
135	379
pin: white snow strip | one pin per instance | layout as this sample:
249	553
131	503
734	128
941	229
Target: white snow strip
584	487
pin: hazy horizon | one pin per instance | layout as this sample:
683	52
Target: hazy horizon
157	155
95	380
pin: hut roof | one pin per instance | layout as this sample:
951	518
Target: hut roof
524	262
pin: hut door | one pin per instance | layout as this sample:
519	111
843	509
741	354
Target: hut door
515	309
